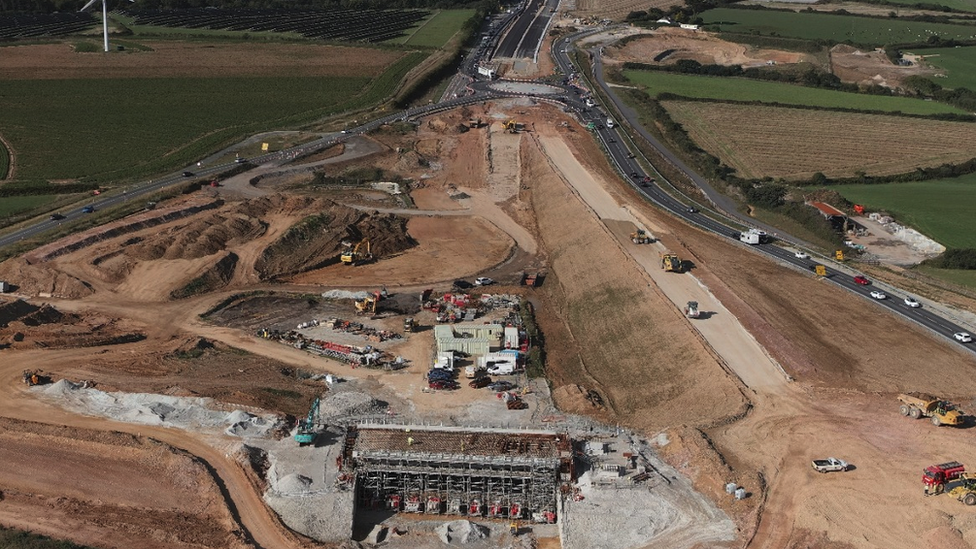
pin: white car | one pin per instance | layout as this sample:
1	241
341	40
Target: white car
483	281
963	337
912	302
878	295
802	255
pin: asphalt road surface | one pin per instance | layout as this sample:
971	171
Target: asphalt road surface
524	37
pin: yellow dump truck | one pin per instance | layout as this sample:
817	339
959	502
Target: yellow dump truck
941	412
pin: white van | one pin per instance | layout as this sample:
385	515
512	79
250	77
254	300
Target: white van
501	369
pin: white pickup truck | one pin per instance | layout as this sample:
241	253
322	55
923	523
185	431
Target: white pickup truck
830	464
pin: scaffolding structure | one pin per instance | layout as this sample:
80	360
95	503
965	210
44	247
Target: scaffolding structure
476	473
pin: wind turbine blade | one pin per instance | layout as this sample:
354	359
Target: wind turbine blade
88	5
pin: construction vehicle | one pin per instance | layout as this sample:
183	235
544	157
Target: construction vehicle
670	262
935	477
408	325
358	254
641	237
753	236
965	492
35	377
307	428
513	127
941	412
475	123
368	304
691	310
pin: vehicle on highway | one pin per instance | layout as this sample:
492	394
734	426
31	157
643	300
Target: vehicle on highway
88	209
240	160
802	255
862	280
187	174
692	209
483	281
630	155
963	337
912	302
480	382
635	175
57	216
878	295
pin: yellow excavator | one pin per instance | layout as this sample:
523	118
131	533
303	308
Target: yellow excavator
358	254
641	237
670	262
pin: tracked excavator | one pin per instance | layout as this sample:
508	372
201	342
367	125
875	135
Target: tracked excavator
308	426
359	254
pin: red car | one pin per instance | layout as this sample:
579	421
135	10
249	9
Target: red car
480	382
861	280
444	385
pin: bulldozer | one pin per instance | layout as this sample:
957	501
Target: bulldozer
641	237
941	412
367	305
670	262
359	254
513	127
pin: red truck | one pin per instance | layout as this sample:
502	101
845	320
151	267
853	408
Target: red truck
935	477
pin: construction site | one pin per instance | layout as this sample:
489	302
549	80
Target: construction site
495	343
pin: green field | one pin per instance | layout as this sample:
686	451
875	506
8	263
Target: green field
110	129
436	30
17	539
12	205
744	89
838	28
940	209
960	64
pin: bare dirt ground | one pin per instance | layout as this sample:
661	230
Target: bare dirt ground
871	67
698	46
611	320
168	58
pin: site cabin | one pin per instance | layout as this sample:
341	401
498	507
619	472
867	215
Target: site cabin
487	72
4	287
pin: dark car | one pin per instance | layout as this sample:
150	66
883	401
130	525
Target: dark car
480	382
462	284
57	216
443	385
500	386
635	175
187	174
437	375
88	209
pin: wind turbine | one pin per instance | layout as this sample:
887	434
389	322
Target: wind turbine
104	18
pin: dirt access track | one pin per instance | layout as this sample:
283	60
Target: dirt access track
710	392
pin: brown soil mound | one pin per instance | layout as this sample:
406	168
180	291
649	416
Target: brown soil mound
27	326
137	492
42	280
200	238
214	278
316	241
